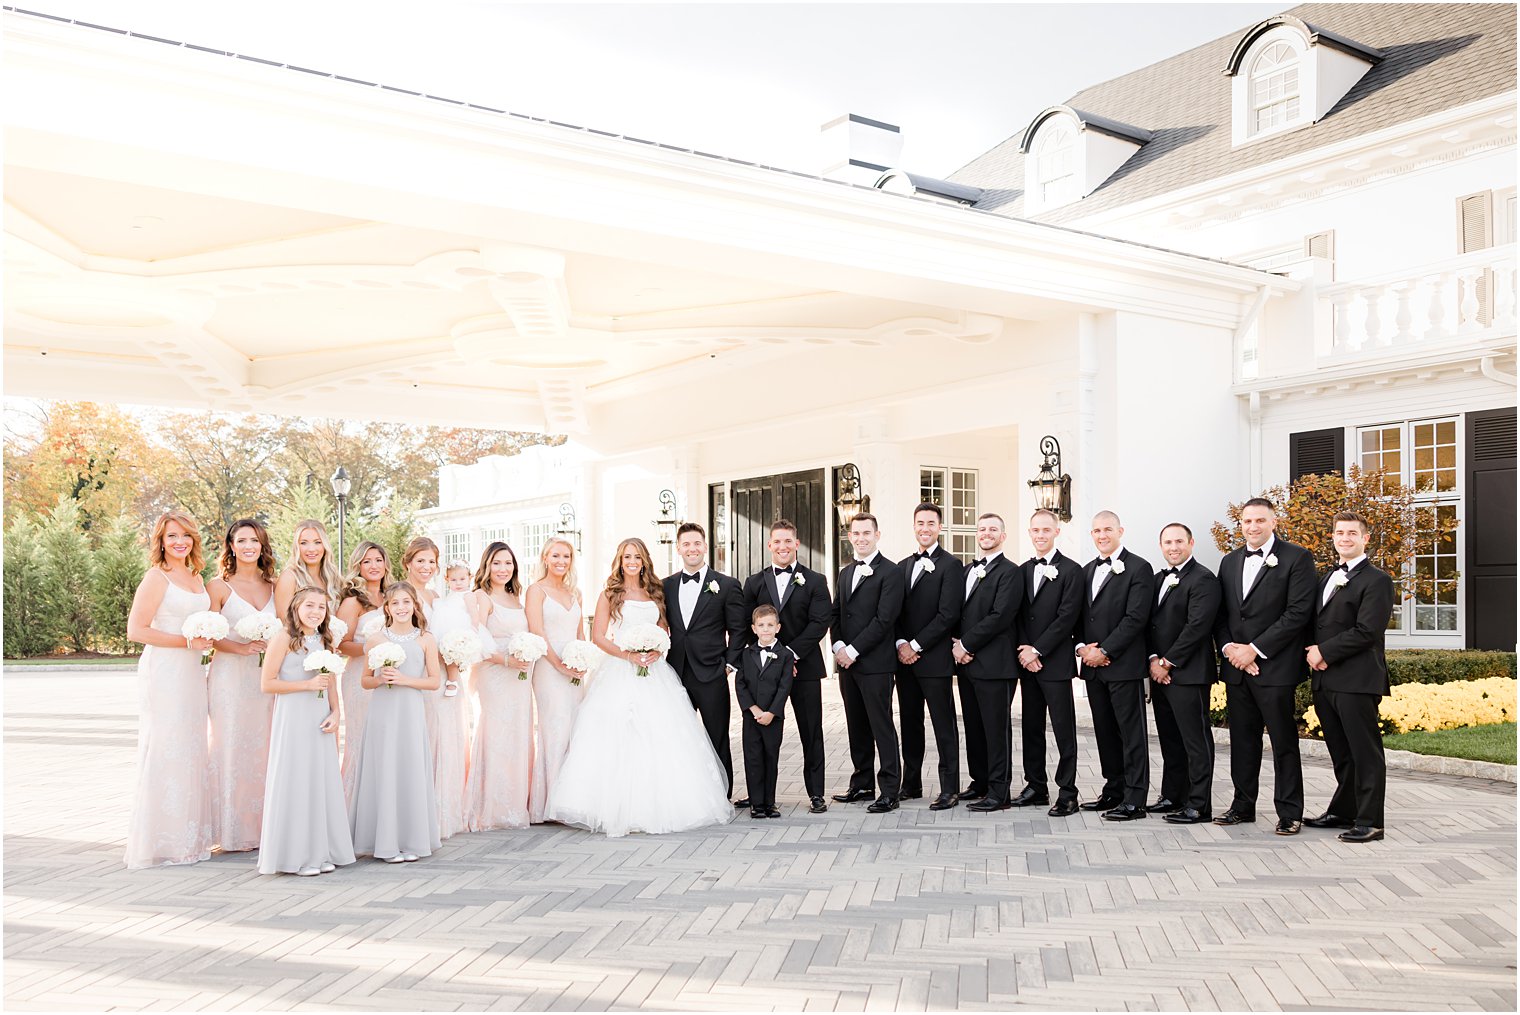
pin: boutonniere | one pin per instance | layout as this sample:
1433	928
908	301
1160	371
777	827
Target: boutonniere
928	566
1172	581
864	571
979	572
712	587
1117	566
1339	578
1270	560
798	578
766	655
1048	571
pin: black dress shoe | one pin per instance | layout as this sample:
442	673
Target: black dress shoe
1328	820
916	793
1031	797
772	812
971	793
1187	816
818	805
757	812
1288	826
988	804
1234	817
1063	809
852	796
1361	833
1163	805
744	802
1103	803
1126	812
945	801
882	805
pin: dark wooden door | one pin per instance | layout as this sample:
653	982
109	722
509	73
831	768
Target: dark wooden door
755	503
1490	563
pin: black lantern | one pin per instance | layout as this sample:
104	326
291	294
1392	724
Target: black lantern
567	527
850	501
1052	487
341	484
665	524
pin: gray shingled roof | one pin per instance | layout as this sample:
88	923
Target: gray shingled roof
1438	56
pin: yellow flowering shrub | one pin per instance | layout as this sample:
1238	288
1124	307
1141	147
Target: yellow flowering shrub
1441	706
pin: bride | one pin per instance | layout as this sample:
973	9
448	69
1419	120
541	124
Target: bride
639	759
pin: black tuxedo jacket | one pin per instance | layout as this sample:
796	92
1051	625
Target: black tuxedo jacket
716	635
768	685
1275	616
930	611
990	622
866	618
1115	621
1049	620
804	615
1181	628
1350	631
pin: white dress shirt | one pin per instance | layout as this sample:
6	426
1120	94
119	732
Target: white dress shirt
1250	570
1350	565
1165	588
690	591
1100	576
971	571
1040	579
782	580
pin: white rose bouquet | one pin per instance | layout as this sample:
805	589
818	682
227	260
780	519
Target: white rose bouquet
338	628
259	627
323	661
389	654
461	648
205	624
644	638
528	647
581	655
371	627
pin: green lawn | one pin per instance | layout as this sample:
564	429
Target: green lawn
79	661
1475	743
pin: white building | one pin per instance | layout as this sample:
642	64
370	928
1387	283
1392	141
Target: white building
1293	242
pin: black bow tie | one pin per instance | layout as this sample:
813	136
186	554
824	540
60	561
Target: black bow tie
1256	553
1173	570
924	554
1343	567
979	562
1042	562
781	570
858	562
690	577
1104	560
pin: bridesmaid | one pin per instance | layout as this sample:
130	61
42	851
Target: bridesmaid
393	812
305	828
448	718
501	759
553	608
240	710
173	812
368	576
311	563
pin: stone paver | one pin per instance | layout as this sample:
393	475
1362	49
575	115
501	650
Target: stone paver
911	910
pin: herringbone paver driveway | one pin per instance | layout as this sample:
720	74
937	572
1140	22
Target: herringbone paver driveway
910	910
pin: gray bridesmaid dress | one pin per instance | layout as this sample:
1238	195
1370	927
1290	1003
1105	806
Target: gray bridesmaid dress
304	823
394	809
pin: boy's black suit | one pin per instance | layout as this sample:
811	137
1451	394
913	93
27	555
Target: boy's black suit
764	682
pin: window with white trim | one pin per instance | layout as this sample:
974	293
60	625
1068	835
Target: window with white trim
955	491
534	536
1275	98
494	534
1055	164
456	546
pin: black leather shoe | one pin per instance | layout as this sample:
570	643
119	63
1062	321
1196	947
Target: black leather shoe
818	805
742	802
1288	826
852	796
1103	803
1126	812
1187	816
988	804
1328	820
1163	805
772	812
971	793
945	801
1234	817
1063	809
1361	833
915	793
1030	798
757	812
882	805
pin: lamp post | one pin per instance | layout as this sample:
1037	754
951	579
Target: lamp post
567	525
1052	487
340	487
850	501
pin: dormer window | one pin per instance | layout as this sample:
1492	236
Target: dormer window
1289	74
1274	87
1055	168
1068	154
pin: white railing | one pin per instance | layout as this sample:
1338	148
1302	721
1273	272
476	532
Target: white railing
1468	296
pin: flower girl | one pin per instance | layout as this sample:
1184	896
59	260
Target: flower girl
304	830
394	813
451	716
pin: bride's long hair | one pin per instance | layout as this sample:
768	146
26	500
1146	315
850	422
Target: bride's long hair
617	591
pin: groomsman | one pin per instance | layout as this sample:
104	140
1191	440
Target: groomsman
866	606
1267	592
935	583
1114	661
986	659
705	611
1181	641
801	596
1350	675
1053	599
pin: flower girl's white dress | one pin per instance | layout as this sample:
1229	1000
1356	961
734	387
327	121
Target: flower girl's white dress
639	759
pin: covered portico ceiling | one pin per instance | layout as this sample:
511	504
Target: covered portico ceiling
190	229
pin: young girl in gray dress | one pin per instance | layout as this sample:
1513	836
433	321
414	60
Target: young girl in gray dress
394	810
304	829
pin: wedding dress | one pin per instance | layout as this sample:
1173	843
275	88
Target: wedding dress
639	759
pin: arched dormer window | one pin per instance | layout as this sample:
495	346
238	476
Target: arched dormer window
1069	153
1287	74
1055	164
1274	87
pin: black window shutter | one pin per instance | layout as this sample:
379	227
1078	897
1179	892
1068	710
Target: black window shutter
1316	452
1489	519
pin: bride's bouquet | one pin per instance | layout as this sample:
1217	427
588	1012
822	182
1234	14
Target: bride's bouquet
323	661
644	638
581	655
389	654
461	648
528	647
205	624
259	627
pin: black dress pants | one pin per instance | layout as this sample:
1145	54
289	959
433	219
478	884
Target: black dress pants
1350	724
711	698
1118	711
994	702
1254	707
913	693
762	756
1187	743
875	739
1052	698
806	700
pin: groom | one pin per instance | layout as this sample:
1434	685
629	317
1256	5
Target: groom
705	611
